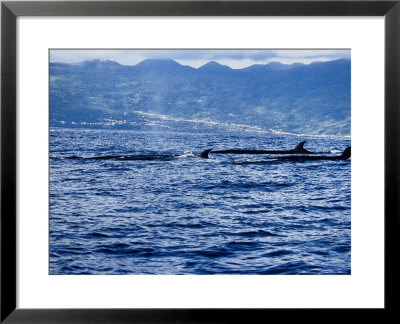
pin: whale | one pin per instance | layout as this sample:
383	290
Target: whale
344	156
203	155
297	158
298	149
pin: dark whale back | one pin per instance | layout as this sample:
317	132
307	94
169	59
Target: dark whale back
346	154
300	148
204	154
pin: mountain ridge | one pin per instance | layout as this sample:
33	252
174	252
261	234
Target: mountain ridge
212	62
296	98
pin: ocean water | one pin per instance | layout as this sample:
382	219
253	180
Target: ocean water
229	214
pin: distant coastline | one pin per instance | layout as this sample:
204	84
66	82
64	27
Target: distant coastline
270	132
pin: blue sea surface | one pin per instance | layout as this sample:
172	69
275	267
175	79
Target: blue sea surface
229	214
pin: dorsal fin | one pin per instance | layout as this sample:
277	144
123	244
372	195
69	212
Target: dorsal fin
346	154
299	148
204	154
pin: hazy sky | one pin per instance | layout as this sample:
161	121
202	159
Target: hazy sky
233	58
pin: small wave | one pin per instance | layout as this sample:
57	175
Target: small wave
256	233
322	253
256	211
118	245
107	251
178	225
277	253
342	249
213	253
186	154
298	267
71	157
73	252
253	161
333	208
242	245
71	179
96	234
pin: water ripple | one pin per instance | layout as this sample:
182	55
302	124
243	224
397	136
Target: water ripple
224	215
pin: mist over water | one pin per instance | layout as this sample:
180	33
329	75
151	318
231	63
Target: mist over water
188	215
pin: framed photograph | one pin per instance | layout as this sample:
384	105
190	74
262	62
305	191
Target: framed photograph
195	161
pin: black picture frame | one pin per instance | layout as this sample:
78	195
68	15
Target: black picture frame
10	10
